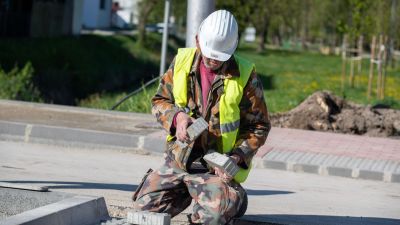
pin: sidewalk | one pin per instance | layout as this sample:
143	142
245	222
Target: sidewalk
286	149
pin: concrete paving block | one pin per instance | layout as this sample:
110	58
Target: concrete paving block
272	155
295	157
330	160
391	166
366	164
155	145
395	178
339	171
10	128
283	155
306	168
397	170
148	218
379	165
371	175
342	161
354	163
278	165
85	136
318	159
307	158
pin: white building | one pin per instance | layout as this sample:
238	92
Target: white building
96	14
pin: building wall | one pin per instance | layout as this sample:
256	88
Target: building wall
104	15
90	9
95	17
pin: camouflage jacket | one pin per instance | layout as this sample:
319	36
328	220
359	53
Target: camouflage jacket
254	118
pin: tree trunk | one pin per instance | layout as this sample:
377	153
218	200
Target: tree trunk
263	33
146	6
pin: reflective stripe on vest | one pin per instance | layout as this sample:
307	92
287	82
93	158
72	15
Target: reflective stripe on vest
229	112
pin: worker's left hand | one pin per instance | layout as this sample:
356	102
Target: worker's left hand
224	176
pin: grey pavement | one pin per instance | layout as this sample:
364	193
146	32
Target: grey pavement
327	154
14	201
275	196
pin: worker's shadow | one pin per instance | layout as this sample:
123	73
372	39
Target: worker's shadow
53	185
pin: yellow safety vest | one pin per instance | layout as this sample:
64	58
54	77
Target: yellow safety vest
229	112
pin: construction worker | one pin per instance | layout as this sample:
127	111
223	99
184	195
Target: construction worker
209	81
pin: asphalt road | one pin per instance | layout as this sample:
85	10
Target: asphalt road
274	195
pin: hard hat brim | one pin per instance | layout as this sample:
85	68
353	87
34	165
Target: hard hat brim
212	54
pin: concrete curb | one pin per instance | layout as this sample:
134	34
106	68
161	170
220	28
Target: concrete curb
78	210
36	133
332	165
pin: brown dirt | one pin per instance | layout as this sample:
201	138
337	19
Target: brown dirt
324	111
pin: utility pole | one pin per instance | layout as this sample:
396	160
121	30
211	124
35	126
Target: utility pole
197	11
165	36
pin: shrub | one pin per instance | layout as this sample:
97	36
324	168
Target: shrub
17	84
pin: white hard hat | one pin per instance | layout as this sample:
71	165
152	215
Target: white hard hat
218	35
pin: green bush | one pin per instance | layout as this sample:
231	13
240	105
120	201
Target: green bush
17	84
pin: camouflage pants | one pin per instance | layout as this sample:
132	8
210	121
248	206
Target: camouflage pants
171	190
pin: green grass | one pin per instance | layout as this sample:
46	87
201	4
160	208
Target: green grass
137	103
96	71
289	77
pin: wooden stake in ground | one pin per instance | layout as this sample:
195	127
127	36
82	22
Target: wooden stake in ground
371	67
384	61
351	80
381	49
344	46
360	52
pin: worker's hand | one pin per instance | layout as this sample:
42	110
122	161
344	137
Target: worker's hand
224	176
183	120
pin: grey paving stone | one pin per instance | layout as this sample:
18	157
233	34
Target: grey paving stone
307	168
342	162
397	170
272	155
366	164
354	163
85	136
391	166
279	165
339	171
283	155
155	145
330	160
295	157
10	128
318	159
396	177
307	158
379	165
371	175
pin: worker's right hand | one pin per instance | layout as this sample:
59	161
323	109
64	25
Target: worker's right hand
183	120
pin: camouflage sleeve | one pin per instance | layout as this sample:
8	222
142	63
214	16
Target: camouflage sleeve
163	107
254	121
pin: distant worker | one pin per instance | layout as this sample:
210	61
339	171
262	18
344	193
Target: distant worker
211	82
